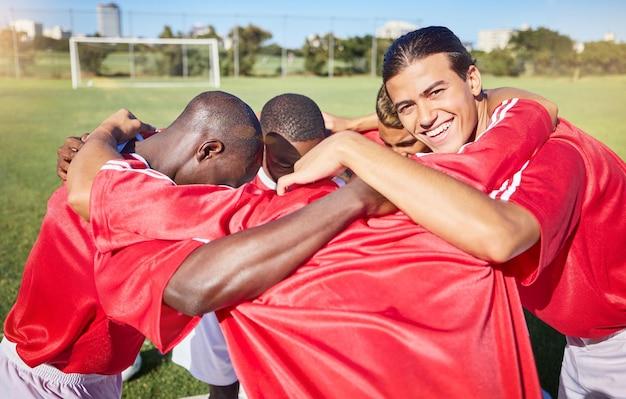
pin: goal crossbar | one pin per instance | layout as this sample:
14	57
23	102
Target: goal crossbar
75	65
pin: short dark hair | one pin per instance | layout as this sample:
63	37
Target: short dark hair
293	116
424	42
225	117
386	111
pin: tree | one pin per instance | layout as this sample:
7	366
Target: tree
497	62
315	52
544	51
603	58
251	39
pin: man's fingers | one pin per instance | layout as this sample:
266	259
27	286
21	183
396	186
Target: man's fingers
146	127
284	182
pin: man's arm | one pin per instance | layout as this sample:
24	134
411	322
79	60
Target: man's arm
462	215
67	152
241	266
336	123
99	148
496	96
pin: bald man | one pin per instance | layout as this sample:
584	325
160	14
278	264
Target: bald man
58	339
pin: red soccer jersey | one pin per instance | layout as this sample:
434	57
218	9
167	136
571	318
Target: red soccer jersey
575	278
385	309
264	181
58	318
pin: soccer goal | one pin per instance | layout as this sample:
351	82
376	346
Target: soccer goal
138	62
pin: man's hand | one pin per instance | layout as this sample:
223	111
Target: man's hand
66	153
324	160
335	123
373	202
100	147
124	126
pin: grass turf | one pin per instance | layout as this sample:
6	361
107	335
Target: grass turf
37	114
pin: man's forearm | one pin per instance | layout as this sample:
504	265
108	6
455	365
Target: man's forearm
100	148
242	266
460	214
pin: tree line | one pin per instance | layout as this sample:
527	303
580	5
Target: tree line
540	51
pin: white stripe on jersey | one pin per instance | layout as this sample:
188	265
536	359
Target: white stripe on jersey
494	116
149	172
123	164
501	112
517	179
139	157
503	187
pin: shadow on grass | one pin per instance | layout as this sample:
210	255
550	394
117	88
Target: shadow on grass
548	347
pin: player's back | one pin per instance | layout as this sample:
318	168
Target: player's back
406	311
57	318
581	290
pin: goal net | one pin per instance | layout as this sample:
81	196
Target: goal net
123	62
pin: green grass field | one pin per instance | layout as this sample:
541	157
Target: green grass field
37	114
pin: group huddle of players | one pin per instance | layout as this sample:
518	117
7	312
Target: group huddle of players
305	260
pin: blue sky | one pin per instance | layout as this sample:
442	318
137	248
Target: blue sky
581	20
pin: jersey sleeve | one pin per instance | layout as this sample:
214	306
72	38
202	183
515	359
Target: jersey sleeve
552	189
131	282
131	203
517	131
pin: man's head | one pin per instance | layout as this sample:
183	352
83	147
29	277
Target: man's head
222	140
292	124
434	86
390	129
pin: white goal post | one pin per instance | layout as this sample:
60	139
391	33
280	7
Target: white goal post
211	43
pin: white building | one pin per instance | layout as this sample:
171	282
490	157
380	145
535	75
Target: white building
492	39
109	20
31	28
56	32
394	29
609	37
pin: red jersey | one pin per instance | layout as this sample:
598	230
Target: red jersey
385	309
373	135
58	317
575	278
263	180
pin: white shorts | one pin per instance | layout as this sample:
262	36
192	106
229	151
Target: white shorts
204	353
20	381
594	368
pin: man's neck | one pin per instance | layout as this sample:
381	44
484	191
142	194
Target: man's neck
160	152
482	108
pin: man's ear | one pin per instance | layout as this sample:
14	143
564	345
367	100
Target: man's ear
474	80
209	149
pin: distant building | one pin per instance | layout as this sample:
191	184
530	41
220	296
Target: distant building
579	47
202	30
469	46
609	37
31	28
394	29
57	33
492	39
109	20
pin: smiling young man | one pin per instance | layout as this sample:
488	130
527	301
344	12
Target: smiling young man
564	204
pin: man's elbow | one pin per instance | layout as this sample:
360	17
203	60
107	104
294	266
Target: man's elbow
79	202
505	243
498	250
193	299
